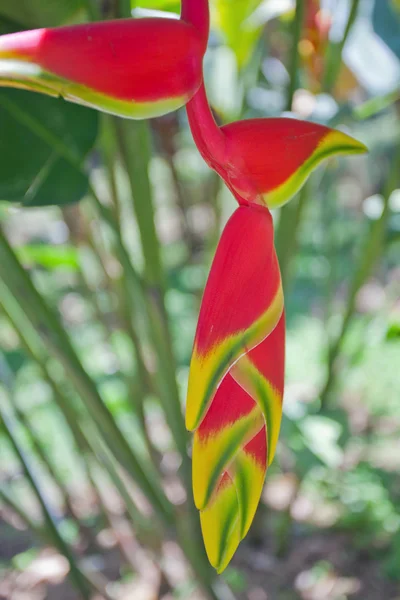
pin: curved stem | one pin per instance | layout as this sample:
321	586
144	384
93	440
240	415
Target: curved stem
208	137
197	13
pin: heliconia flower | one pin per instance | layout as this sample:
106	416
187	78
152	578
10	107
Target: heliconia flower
235	389
236	381
136	68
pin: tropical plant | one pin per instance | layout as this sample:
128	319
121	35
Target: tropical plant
142	68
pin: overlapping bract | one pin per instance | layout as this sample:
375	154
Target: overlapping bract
236	381
240	305
134	68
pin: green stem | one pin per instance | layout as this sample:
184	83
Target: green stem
369	255
27	337
8	499
335	50
38	447
92	10
124	8
141	524
55	338
77	576
43	535
132	136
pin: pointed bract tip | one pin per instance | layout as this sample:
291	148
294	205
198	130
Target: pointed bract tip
338	142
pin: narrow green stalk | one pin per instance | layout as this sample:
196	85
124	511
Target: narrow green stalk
132	135
45	537
39	449
92	10
136	164
335	50
141	524
138	383
32	345
369	255
124	8
87	449
55	338
8	499
76	574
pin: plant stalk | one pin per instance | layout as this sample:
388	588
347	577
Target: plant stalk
55	338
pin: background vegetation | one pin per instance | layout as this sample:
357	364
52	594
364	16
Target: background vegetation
99	300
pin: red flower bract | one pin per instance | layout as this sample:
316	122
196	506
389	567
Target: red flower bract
134	67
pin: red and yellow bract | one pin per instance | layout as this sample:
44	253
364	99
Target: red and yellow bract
145	68
135	68
235	391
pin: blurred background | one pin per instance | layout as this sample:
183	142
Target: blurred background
116	223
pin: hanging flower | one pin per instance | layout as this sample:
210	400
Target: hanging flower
135	68
234	402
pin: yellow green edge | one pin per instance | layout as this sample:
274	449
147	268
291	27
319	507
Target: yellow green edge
29	76
221	357
335	142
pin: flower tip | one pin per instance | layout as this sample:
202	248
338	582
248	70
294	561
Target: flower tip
190	419
339	142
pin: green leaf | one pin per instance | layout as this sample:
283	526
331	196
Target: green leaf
41	13
240	30
50	257
170	5
32	171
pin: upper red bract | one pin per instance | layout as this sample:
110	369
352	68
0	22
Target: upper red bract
243	280
142	59
273	149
